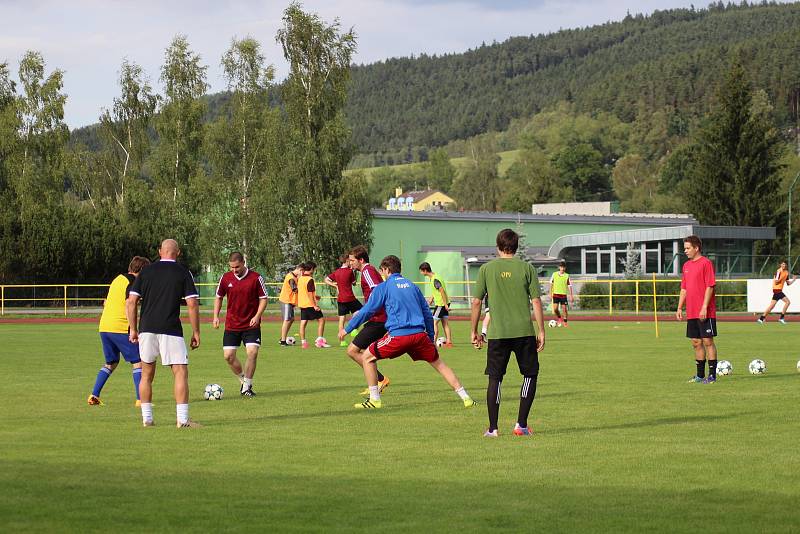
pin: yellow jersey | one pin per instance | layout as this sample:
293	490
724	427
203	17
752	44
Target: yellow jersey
289	290
305	288
114	319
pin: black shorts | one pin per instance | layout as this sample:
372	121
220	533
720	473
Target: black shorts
370	332
348	307
778	296
559	299
439	312
697	329
499	352
310	314
232	340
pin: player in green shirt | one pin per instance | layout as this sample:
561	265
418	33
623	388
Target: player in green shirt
513	287
560	285
440	303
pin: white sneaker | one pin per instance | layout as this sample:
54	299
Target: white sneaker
321	343
782	321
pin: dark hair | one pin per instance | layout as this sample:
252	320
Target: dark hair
391	263
310	265
507	241
425	267
304	267
137	264
694	241
562	264
344	257
236	256
360	253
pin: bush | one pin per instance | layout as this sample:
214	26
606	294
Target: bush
594	296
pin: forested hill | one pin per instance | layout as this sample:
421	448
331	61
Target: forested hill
670	58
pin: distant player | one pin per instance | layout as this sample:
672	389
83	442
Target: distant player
343	279
247	299
162	286
560	285
514	287
374	329
698	284
114	332
307	300
440	302
781	278
410	331
288	300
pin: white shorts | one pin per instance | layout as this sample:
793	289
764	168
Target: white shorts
171	348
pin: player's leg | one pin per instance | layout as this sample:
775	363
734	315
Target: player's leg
447	333
565	312
786	303
450	377
181	390
764	315
369	333
148	352
111	353
136	375
710	348
498	353
371	375
485	325
303	342
250	369
528	362
229	353
555	309
287	312
320	328
130	351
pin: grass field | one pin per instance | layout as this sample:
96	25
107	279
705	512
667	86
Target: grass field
622	442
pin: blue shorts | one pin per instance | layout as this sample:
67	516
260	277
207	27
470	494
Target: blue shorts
116	344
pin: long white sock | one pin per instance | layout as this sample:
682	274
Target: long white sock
183	413
462	393
247	383
374	393
147	412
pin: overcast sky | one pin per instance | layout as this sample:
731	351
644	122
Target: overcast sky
89	38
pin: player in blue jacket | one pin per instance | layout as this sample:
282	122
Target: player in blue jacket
410	331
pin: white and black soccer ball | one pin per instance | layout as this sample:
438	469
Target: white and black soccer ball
213	392
798	366
552	323
758	367
441	341
290	340
724	367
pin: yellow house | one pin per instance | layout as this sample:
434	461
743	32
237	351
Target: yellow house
429	200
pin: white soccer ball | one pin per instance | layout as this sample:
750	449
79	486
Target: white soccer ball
441	341
213	392
290	340
758	367
724	368
798	366
552	323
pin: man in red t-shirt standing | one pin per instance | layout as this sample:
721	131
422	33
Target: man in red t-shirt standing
697	292
343	279
247	298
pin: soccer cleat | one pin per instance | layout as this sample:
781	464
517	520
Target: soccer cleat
695	380
137	404
448	345
282	343
304	344
782	321
189	424
564	324
383	384
522	430
248	393
710	380
469	403
94	401
321	343
490	433
343	343
760	321
369	404
483	337
560	322
148	423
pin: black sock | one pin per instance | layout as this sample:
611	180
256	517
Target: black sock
493	402
761	318
783	316
701	368
380	376
526	394
712	368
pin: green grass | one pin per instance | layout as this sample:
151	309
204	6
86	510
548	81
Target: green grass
507	158
622	442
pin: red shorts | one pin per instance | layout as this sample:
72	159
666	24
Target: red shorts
419	346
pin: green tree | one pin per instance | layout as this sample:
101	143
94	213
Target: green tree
635	184
440	171
478	185
582	165
9	151
533	180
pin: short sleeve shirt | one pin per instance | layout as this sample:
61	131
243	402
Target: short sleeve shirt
510	283
370	277
114	318
162	286
438	284
243	295
344	278
560	283
698	275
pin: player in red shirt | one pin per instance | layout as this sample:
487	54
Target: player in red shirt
375	328
343	279
697	292
247	298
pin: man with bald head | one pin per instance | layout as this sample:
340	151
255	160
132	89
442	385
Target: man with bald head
162	286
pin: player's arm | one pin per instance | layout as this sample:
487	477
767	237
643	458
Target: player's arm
217	309
551	285
538	317
681	302
474	318
256	319
791	280
193	304
330	282
374	303
443	293
706	301
131	313
571	294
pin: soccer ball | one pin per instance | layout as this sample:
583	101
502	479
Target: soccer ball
724	368
213	392
441	341
552	323
798	366
290	340
758	367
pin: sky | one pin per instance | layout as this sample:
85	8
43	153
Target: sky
88	39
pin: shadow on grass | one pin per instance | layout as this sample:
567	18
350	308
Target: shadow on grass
663	421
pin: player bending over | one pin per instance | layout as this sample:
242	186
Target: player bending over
114	332
781	278
559	286
410	331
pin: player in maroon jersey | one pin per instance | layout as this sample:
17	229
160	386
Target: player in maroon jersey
343	279
247	298
374	329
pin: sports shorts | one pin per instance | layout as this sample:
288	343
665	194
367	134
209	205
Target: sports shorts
171	348
697	329
559	299
310	314
115	344
419	346
778	295
370	332
287	311
348	307
248	338
499	352
439	312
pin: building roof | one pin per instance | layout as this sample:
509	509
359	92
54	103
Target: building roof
655	219
481	255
